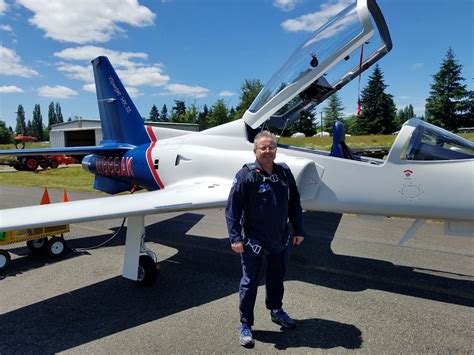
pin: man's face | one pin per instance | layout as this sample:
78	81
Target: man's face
265	151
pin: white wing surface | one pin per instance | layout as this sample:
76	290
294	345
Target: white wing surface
189	195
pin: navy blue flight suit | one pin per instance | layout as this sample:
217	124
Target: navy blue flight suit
257	214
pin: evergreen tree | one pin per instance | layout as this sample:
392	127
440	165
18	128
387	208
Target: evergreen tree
178	111
332	112
5	134
154	115
29	128
51	115
448	103
37	123
404	115
305	124
191	114
248	92
232	113
20	120
378	108
59	115
202	118
164	114
219	114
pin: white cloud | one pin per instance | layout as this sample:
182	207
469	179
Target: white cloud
86	21
130	72
133	92
89	87
10	90
227	93
197	92
90	52
56	92
311	22
77	72
143	76
417	66
6	28
3	7
285	5
10	64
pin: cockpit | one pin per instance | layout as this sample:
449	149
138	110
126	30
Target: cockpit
428	142
339	51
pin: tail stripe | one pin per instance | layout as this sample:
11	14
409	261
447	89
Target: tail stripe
149	160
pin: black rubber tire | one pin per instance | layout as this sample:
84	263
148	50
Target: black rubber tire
36	246
31	163
4	259
53	164
146	271
56	247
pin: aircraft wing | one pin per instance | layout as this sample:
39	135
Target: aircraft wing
189	195
68	150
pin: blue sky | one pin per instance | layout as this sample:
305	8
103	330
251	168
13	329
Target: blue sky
200	51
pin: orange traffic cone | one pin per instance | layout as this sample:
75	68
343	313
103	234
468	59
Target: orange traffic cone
45	199
65	197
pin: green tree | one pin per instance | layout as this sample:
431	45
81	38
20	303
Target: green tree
404	115
191	114
178	111
20	120
37	123
51	115
164	114
449	100
305	124
59	115
5	134
154	115
29	128
219	114
203	117
248	92
332	112
378	109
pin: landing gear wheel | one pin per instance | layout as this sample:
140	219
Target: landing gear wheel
4	259
56	247
37	245
146	271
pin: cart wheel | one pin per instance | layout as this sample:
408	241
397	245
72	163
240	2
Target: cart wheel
36	245
146	271
4	259
31	163
56	247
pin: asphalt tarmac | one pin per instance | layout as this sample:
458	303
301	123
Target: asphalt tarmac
350	287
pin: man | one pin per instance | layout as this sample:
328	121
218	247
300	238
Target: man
263	197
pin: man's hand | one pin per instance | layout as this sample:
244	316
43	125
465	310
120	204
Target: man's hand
237	247
297	240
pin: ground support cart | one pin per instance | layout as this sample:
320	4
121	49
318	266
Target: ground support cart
36	240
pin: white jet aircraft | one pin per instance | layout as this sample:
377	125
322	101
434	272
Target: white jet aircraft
428	173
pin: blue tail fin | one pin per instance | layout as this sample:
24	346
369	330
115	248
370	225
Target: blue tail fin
121	122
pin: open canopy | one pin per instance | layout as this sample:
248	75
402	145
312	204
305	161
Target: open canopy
336	53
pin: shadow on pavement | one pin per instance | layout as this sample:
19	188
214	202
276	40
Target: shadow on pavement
188	279
313	333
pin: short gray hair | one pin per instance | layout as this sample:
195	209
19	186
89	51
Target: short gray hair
263	134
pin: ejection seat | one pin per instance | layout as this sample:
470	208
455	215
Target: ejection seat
339	148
